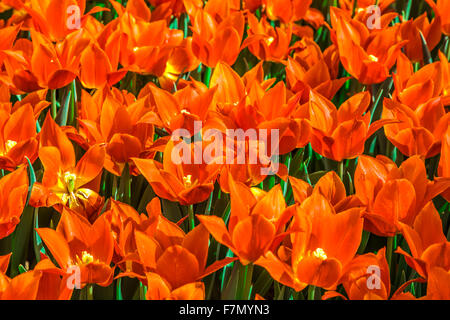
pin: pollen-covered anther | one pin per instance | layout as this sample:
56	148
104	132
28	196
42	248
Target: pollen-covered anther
320	254
8	146
269	40
187	180
86	257
373	58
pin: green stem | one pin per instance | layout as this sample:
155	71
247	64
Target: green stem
114	187
73	101
341	170
87	293
389	249
191	216
244	282
54	104
207	79
311	292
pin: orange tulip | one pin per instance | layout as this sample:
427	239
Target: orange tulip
186	183
22	287
17	145
321	245
341	133
236	100
182	109
176	257
7	37
438	284
330	186
419	131
37	64
289	10
78	244
124	221
431	31
366	56
367	277
4	262
117	121
97	69
312	69
64	183
257	220
426	240
54	282
443	7
143	46
160	289
393	194
14	190
444	162
51	17
215	40
266	42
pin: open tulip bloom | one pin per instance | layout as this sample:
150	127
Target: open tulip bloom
224	149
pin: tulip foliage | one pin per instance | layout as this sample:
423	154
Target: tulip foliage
224	149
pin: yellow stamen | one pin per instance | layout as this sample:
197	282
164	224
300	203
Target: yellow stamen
320	254
270	40
86	258
373	58
187	180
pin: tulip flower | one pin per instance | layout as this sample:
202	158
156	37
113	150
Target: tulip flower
291	10
431	32
97	69
444	162
176	257
322	244
266	42
214	41
22	287
341	133
17	145
53	19
176	180
419	131
367	277
442	7
117	122
14	191
4	262
256	223
366	57
312	69
160	289
124	220
428	245
66	183
54	283
438	284
415	89
393	194
8	35
78	244
41	64
330	186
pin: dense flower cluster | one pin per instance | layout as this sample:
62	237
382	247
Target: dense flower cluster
315	138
